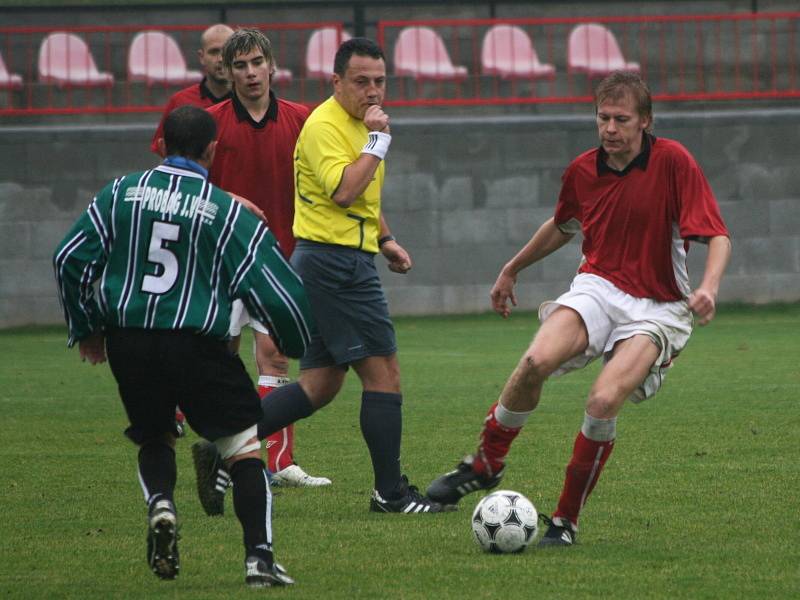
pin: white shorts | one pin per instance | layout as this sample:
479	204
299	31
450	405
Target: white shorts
240	317
611	315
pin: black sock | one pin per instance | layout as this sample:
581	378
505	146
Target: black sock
283	406
252	501
382	428
157	471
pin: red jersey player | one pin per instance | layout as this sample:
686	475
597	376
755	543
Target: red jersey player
215	86
638	201
256	136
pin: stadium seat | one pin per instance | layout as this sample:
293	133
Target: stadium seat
155	58
320	51
65	59
593	49
8	81
420	53
282	75
508	52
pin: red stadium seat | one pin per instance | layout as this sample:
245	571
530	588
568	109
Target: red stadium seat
508	52
8	81
593	49
420	53
65	59
282	75
155	58
320	51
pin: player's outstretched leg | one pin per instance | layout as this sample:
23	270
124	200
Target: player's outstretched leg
252	502
593	446
484	469
162	539
212	477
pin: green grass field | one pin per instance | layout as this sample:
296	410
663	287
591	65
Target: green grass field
699	500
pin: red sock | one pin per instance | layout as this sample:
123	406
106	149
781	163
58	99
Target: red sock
494	445
280	445
583	471
179	416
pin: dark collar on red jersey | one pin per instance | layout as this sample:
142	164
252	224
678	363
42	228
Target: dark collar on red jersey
640	161
243	115
206	93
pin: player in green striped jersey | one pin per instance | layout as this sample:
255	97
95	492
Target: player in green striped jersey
171	252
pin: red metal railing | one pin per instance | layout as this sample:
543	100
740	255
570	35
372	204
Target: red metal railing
86	69
688	57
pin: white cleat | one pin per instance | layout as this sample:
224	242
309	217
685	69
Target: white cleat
294	476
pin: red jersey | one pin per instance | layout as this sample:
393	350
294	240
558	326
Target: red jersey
197	94
256	160
637	223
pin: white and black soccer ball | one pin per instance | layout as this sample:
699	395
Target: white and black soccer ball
504	522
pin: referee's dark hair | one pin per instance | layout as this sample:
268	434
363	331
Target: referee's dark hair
358	45
188	130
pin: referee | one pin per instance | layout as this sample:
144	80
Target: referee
171	252
339	226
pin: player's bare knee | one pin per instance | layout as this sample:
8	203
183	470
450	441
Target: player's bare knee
605	402
535	368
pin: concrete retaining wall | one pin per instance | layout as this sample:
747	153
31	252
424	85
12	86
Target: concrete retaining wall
462	195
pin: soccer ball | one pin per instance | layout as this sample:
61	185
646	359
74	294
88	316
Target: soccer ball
504	522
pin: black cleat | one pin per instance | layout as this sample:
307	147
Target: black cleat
451	487
559	532
213	480
162	540
409	501
260	574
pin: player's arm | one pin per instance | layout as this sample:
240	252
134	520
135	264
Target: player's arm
249	205
78	262
703	301
399	259
271	290
547	239
360	173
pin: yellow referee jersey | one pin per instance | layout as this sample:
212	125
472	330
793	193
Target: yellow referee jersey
330	140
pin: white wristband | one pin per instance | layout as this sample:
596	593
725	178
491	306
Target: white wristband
377	144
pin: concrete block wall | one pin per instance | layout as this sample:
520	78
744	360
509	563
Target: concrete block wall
463	194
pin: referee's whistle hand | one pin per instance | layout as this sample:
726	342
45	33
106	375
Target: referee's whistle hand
375	119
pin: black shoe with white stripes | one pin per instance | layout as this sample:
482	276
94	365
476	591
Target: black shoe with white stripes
451	487
162	540
213	480
559	532
409	501
260	574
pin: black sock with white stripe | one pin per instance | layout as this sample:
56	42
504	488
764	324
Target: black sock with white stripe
157	471
252	501
282	407
382	428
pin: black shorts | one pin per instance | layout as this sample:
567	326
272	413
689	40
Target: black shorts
159	369
348	303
